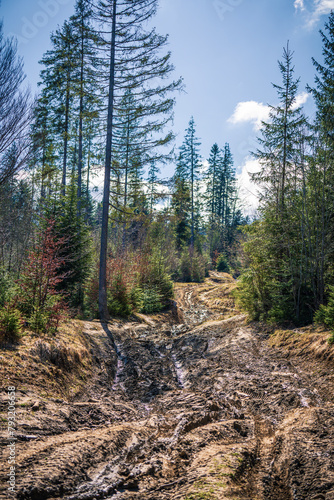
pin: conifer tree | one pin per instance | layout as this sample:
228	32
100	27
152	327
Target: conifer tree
221	198
181	207
134	62
277	249
280	138
152	180
58	81
323	174
212	178
226	188
44	157
85	87
189	164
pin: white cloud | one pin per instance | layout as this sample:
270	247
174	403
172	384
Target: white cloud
323	6
248	191
250	111
257	112
301	99
299	5
320	8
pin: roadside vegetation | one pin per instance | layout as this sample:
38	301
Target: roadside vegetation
91	228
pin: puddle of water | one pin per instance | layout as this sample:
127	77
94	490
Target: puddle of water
119	369
179	372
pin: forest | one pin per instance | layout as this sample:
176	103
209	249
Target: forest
158	339
104	117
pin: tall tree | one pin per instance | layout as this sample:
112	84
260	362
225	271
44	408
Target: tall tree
278	285
323	93
14	110
152	184
181	207
190	164
212	176
280	136
87	42
135	63
58	81
226	188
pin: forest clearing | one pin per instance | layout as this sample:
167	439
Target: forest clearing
166	300
200	405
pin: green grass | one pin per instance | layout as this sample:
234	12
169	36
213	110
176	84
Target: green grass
200	496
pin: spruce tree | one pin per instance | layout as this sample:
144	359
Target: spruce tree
190	161
278	251
226	188
58	87
212	179
181	207
280	136
323	171
44	156
134	62
152	181
85	87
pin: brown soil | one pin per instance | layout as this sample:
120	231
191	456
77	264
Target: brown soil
192	404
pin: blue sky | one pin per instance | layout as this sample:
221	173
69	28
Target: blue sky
226	51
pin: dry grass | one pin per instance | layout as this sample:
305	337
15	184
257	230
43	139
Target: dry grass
56	364
308	341
216	294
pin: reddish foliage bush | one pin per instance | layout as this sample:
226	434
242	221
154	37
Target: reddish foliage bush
38	298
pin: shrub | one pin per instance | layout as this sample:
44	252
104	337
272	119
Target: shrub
10	324
122	284
155	281
325	314
151	301
222	264
7	288
135	282
193	267
37	297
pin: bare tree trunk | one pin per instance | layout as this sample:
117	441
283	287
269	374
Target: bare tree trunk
285	146
323	236
67	106
88	179
80	118
192	199
103	308
126	181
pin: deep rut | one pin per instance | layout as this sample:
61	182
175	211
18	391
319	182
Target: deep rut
198	410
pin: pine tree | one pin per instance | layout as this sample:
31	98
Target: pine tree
323	171
58	87
86	91
189	165
280	137
212	178
152	181
134	63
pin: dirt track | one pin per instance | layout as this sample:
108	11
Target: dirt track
194	406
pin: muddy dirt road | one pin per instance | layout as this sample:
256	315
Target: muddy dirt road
191	405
